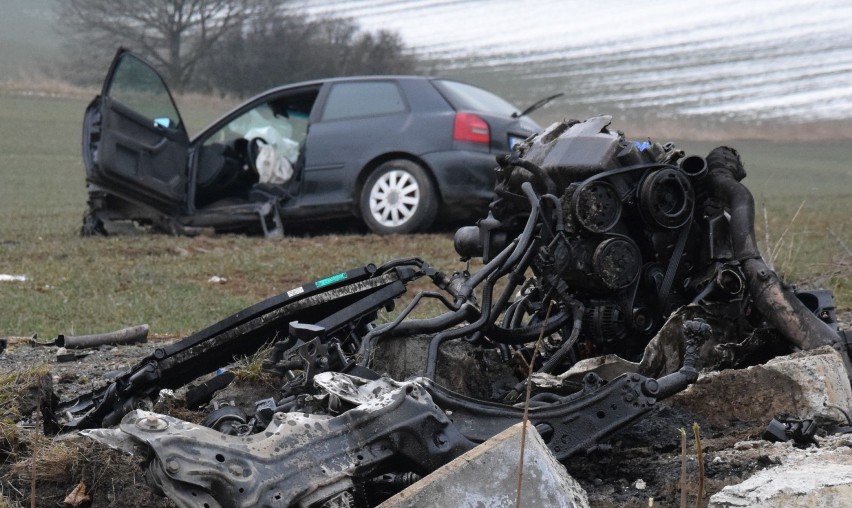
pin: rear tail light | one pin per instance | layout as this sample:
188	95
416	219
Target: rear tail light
469	127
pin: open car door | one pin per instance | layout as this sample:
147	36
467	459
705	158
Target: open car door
135	144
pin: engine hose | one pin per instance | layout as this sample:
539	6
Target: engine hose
537	171
556	359
496	268
777	305
437	340
507	259
389	327
515	313
526	237
446	320
525	251
508	256
518	336
518	315
510	313
515	279
411	326
557	208
518	318
477	278
409	261
696	332
431	325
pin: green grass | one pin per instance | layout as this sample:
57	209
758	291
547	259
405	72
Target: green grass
99	284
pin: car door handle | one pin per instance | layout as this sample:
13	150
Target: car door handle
135	143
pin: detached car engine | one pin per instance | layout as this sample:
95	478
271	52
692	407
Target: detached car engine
636	231
594	245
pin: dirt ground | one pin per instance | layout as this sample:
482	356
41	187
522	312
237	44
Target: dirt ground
641	463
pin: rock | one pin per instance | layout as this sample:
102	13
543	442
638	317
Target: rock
823	379
817	478
488	476
461	367
802	385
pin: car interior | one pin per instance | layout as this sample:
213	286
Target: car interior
257	155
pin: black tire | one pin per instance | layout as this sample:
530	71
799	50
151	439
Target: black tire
398	197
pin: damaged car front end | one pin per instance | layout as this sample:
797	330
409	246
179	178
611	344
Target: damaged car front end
594	245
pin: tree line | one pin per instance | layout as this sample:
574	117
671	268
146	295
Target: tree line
233	47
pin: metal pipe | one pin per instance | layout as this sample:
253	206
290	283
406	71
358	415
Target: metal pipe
131	335
779	306
694	166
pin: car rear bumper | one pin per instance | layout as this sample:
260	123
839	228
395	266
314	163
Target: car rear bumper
465	180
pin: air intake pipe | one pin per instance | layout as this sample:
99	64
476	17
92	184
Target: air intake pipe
777	305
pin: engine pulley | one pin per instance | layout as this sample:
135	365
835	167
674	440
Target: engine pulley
616	262
596	206
666	198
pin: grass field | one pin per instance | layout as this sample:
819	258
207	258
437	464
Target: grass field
99	284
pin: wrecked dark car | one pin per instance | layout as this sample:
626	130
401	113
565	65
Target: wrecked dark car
396	152
594	245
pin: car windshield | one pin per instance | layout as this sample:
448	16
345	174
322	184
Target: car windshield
277	125
464	97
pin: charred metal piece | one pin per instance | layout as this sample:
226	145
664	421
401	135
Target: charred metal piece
342	303
387	420
300	458
131	335
778	305
802	432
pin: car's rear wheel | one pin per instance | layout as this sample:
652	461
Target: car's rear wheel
398	197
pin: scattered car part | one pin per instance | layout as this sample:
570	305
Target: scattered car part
131	335
323	454
593	245
63	356
376	421
780	430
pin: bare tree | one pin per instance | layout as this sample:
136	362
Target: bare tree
175	35
285	46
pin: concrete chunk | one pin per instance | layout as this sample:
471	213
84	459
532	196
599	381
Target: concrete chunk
802	385
487	476
816	478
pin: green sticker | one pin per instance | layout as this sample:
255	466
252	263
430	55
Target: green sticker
330	280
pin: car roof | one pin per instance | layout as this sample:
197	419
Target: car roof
344	79
316	83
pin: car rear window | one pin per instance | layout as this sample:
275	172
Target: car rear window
351	100
464	97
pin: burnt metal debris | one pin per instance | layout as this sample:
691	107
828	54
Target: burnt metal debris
130	335
594	245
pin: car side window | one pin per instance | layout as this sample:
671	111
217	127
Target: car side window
351	100
137	86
